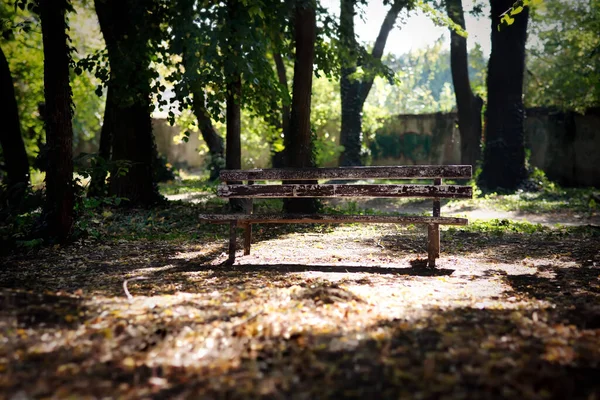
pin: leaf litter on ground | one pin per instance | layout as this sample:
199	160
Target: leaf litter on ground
512	311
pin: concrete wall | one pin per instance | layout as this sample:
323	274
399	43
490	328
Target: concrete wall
177	152
417	139
565	145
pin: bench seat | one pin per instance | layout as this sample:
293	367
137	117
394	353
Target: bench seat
244	219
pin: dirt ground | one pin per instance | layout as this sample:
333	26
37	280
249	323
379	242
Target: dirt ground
313	312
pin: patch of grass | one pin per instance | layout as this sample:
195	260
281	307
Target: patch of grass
505	226
189	185
177	222
353	208
501	226
572	199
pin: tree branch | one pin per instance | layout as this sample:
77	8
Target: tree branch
384	31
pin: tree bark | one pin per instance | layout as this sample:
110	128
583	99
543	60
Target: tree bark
300	152
58	113
214	141
233	155
233	147
11	141
133	147
98	179
469	105
278	159
504	154
354	91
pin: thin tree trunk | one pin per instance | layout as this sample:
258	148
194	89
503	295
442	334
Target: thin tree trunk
278	159
214	141
59	129
351	129
354	92
11	141
233	147
98	180
469	105
504	154
300	152
233	155
133	148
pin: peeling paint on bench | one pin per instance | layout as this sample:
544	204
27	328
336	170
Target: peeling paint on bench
337	190
350	173
232	187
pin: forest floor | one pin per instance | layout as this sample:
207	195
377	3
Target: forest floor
511	312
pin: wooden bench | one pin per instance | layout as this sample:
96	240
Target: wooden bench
232	187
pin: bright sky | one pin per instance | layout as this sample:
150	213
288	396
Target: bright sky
416	30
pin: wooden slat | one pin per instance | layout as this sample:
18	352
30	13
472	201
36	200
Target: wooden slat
307	190
243	219
377	172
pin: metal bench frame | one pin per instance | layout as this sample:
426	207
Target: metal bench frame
232	187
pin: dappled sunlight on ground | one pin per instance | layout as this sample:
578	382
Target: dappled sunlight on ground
321	312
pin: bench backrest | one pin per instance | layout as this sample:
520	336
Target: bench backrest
231	187
378	172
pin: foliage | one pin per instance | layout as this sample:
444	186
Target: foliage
23	49
19	223
501	226
547	197
424	81
189	185
563	67
507	18
326	120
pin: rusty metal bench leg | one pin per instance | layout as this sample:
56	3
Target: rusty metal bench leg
433	232
232	238
247	238
433	244
249	209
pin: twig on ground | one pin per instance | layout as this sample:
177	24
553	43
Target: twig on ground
137	278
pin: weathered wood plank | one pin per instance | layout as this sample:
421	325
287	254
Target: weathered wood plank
376	172
307	190
243	219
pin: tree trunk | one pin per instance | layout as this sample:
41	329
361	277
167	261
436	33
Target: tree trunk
354	91
214	141
133	148
98	180
59	129
278	159
300	152
233	156
469	106
504	154
351	130
11	141
233	147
